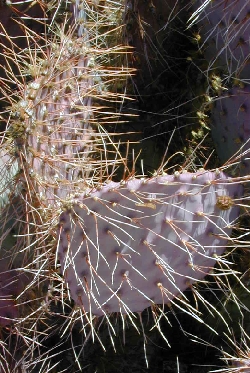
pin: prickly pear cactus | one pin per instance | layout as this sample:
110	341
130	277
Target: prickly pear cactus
230	127
131	245
55	142
99	247
224	27
53	126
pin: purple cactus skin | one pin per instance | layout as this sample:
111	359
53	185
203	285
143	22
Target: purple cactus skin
130	245
225	29
231	127
53	127
50	125
52	131
46	138
124	247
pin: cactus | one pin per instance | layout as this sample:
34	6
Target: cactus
230	127
98	246
53	134
224	28
54	143
136	244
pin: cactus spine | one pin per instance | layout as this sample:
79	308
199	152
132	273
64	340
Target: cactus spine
98	246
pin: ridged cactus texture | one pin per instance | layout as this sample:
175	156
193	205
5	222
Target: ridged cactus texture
51	123
53	126
135	244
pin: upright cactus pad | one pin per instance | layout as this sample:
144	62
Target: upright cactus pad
120	246
231	127
224	27
225	30
130	245
56	115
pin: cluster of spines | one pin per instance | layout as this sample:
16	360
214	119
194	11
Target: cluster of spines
156	223
43	197
54	135
224	29
223	39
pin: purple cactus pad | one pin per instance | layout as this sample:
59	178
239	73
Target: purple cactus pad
231	127
225	30
126	246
